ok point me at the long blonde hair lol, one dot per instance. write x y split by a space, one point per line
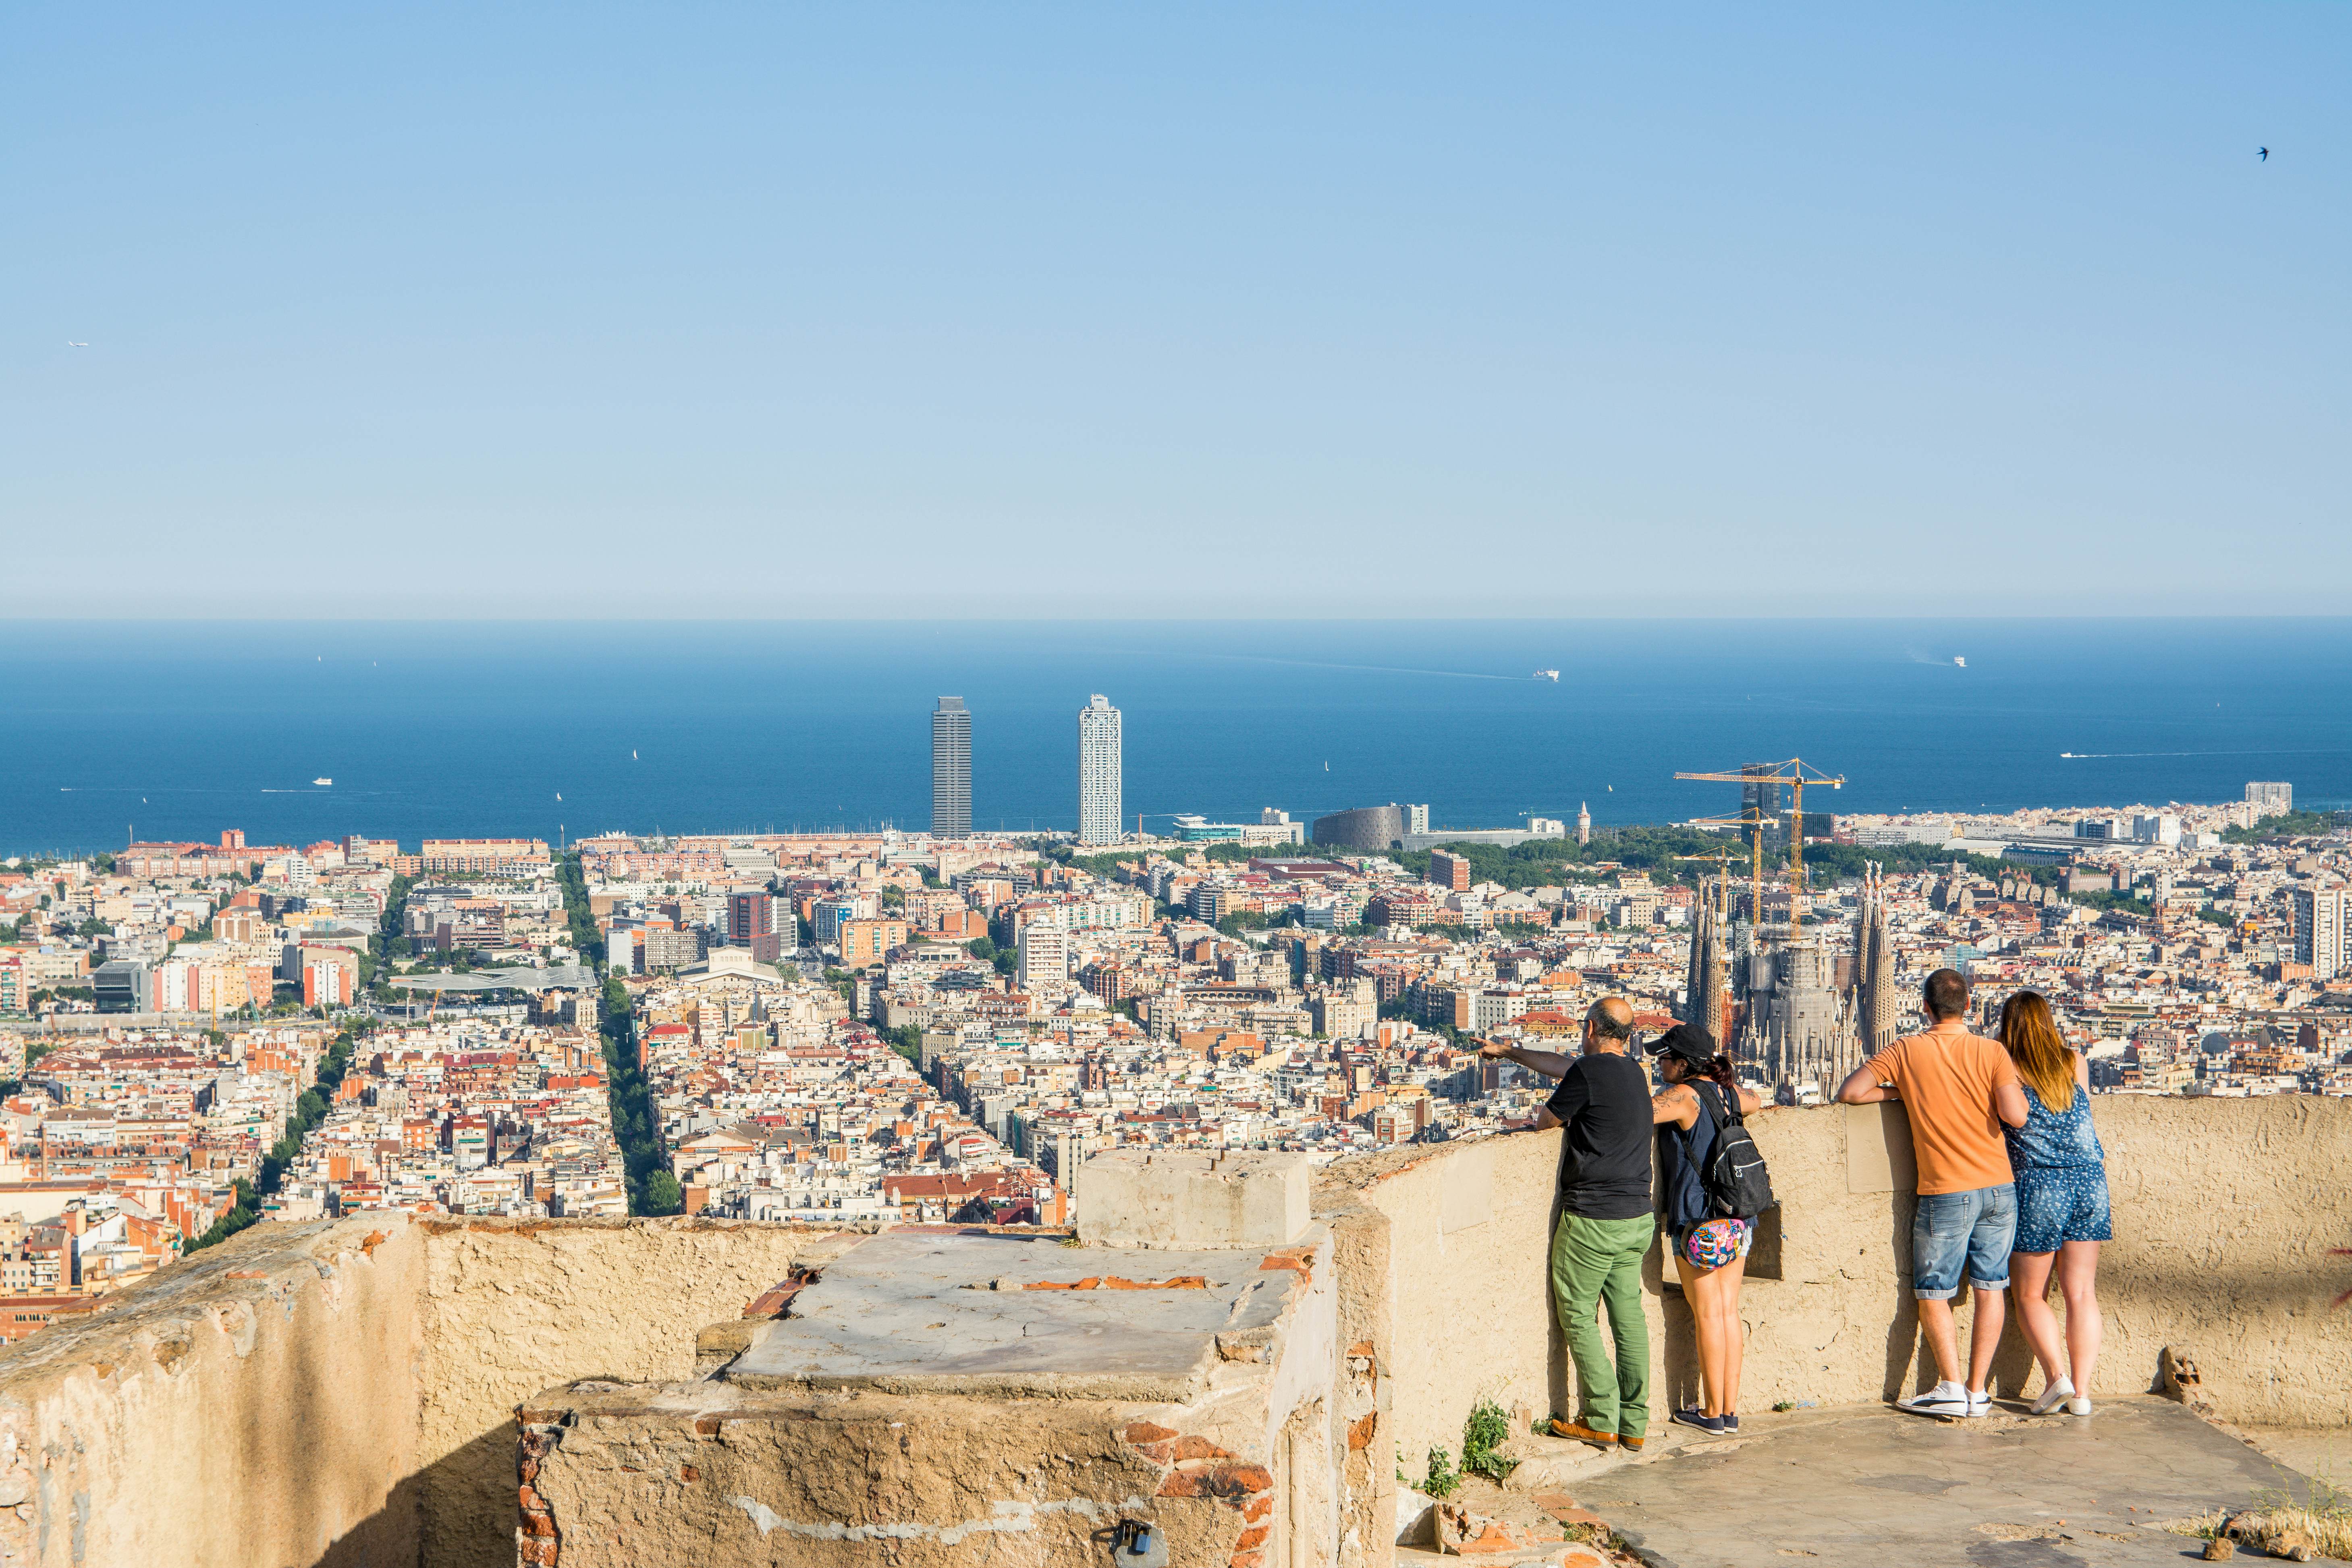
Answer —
2038 1050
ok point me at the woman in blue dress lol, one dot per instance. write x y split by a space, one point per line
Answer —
2062 1203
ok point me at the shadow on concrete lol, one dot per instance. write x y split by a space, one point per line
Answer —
457 1512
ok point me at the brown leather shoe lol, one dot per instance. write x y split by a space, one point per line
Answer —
1560 1428
1631 1444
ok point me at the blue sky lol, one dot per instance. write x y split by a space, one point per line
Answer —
889 310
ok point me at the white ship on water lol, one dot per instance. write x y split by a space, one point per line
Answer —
323 783
1546 675
1958 660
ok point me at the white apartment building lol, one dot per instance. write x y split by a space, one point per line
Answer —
2319 929
1045 953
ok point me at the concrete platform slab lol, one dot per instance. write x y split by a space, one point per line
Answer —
1866 1488
913 1311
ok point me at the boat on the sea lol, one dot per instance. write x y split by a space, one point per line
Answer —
322 782
1547 675
1958 660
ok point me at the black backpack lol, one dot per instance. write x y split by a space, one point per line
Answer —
1737 1185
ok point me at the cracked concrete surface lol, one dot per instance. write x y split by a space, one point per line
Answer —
1870 1486
919 1311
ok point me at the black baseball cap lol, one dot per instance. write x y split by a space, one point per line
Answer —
1687 1041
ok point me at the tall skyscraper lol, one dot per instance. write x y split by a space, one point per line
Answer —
2319 929
950 769
1099 772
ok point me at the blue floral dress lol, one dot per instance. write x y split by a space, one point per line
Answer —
2062 1175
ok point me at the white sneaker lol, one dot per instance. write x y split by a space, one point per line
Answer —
2055 1395
1944 1399
1981 1404
2078 1405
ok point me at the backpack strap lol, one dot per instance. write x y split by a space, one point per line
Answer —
1707 1110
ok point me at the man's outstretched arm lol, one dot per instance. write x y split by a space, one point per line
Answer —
1552 1064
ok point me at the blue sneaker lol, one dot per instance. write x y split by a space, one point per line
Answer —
1693 1416
1730 1419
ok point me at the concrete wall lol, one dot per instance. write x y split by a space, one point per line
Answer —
254 1406
2224 1211
509 1306
341 1392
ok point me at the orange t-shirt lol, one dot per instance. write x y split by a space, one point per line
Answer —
1946 1082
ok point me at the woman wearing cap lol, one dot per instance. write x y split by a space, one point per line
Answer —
1710 1252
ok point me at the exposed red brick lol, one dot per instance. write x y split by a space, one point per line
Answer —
1553 1499
1573 1514
1144 1432
1285 1261
1247 1559
706 1425
688 1473
538 1552
1231 1482
1359 1434
1258 1508
1362 1348
1158 1453
1113 1282
1254 1536
1199 1448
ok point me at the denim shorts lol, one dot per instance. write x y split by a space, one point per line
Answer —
1951 1229
2058 1204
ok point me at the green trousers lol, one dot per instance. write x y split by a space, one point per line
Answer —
1592 1261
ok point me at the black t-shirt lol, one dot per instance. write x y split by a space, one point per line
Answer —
1603 1101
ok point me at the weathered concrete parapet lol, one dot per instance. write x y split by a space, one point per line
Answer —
254 1404
1196 1200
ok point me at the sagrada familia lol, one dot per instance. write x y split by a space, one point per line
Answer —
1775 996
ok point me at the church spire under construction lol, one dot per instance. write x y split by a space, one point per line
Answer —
1875 1009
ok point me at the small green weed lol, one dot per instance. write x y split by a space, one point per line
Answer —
1489 1428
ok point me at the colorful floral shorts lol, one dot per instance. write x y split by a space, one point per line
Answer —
1712 1242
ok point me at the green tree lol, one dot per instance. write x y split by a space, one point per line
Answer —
662 1194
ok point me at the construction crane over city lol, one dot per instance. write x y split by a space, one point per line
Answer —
1793 1030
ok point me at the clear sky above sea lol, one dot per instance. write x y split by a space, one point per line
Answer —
893 309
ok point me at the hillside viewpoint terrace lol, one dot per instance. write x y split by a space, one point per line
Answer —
1239 1354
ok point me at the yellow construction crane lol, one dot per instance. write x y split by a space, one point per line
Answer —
1753 820
1792 774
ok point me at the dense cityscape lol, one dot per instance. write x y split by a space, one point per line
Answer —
941 1025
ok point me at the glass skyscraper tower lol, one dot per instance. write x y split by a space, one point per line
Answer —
950 769
1099 772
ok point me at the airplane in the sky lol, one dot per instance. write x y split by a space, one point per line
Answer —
71 344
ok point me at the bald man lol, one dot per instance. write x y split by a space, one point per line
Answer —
1606 1223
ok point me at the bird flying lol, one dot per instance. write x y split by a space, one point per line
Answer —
2264 152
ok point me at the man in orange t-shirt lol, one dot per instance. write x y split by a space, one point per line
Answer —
1957 1088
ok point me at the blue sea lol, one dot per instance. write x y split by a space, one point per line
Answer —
176 731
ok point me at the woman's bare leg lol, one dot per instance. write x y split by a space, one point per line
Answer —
2029 1282
2078 1271
1700 1289
1733 1333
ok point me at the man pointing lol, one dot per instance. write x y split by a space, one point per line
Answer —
1605 1222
